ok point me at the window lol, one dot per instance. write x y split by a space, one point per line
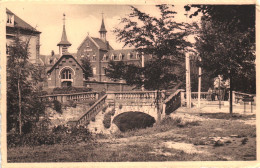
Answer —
130 55
104 57
66 74
94 71
121 56
10 20
112 57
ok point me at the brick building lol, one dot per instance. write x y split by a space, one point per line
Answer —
64 70
99 52
15 25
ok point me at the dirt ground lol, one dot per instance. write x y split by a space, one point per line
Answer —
215 137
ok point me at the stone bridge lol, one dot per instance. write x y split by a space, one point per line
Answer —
152 103
149 102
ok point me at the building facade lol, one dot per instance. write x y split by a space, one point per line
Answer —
64 70
14 26
99 52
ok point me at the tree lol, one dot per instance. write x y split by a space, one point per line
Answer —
23 105
87 67
226 44
162 37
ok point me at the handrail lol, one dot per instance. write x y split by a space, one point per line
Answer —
172 95
68 94
92 108
244 94
130 92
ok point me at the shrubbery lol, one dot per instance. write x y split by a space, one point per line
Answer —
107 118
67 90
57 106
59 134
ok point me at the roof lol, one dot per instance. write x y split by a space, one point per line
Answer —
46 58
102 45
19 23
98 42
102 28
64 56
64 40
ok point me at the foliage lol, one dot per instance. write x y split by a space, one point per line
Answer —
157 73
67 90
162 37
226 43
107 118
22 73
85 63
57 106
58 135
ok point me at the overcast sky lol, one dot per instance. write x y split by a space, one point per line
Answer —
80 19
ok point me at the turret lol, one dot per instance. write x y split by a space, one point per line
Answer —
103 30
64 44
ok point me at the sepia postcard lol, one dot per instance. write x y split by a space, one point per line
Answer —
129 84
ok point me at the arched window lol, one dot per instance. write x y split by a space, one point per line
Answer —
66 74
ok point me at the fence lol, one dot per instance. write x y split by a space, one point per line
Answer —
73 96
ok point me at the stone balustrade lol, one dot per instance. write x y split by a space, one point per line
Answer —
72 96
195 95
93 111
133 97
173 102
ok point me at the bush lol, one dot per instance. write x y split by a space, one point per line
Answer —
57 106
107 120
59 134
67 90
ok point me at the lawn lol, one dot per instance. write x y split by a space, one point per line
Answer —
193 137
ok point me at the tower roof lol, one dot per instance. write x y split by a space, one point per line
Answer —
102 28
64 40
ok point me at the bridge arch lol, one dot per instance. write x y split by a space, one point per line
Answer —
133 120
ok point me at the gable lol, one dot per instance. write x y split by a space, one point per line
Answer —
66 60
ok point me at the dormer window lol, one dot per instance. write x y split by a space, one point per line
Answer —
10 20
112 57
130 55
87 44
104 57
121 56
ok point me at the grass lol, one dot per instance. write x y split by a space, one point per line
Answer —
148 144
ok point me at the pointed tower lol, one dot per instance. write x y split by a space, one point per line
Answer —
103 30
64 44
